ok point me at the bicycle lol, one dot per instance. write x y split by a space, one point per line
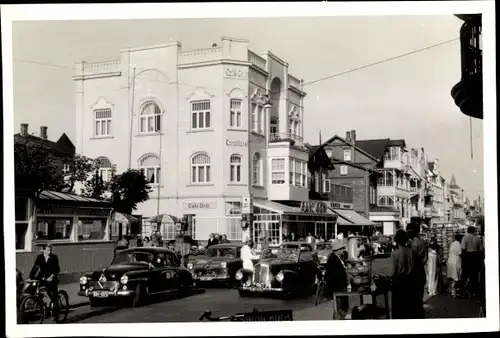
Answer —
321 287
33 303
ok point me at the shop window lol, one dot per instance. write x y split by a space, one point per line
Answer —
273 232
278 171
235 232
91 229
48 228
150 117
235 114
235 169
200 168
320 230
200 115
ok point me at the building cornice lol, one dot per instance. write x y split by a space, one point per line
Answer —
298 91
96 76
260 70
214 63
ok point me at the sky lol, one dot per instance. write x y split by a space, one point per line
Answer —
406 98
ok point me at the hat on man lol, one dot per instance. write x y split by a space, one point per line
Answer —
337 245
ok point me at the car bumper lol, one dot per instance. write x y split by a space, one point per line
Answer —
217 279
260 290
110 294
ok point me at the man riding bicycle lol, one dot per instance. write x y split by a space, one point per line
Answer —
46 269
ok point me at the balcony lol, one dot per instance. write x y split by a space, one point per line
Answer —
394 163
292 139
468 93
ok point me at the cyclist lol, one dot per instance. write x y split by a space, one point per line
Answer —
46 269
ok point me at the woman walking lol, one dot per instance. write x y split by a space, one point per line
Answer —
433 269
408 280
454 264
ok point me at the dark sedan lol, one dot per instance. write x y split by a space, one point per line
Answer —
283 271
136 274
219 264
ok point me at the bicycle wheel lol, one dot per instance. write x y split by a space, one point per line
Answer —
320 290
32 309
62 314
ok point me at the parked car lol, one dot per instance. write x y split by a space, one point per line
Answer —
323 250
382 245
136 274
282 271
219 264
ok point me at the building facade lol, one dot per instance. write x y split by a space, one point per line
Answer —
206 126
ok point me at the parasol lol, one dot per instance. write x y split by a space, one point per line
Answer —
164 219
119 217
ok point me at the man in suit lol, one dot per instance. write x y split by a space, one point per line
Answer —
46 269
336 276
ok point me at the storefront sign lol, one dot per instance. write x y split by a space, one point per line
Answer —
178 226
200 205
235 73
313 207
268 316
246 205
237 143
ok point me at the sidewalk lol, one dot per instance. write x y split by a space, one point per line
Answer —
440 306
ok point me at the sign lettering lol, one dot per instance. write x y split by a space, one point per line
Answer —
268 316
200 205
246 205
235 73
313 207
230 143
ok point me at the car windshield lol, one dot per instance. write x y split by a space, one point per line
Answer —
221 252
132 257
284 254
324 246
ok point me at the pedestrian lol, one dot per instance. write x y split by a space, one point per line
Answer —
310 238
408 280
418 245
472 251
340 236
336 277
185 251
292 237
147 242
212 240
139 242
454 264
247 255
224 239
433 264
349 234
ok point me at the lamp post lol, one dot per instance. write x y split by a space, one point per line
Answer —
267 106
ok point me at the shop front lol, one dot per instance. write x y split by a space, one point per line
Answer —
351 221
387 217
77 227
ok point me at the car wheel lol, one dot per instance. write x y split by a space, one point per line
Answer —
138 297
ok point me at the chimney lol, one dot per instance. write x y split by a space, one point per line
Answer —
353 137
24 129
348 136
43 132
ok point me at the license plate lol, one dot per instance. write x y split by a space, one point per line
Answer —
206 278
256 288
100 294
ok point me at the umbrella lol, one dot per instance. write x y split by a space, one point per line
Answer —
163 218
124 218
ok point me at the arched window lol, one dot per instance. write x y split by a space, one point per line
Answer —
105 168
150 117
150 167
102 122
200 168
257 170
235 169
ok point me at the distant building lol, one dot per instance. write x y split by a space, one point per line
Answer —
468 92
456 202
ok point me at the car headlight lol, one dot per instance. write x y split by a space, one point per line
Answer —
238 275
223 264
190 266
84 280
280 276
124 279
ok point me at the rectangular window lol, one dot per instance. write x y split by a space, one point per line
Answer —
298 173
260 119
278 171
200 115
291 166
343 170
235 114
304 174
347 154
48 228
102 118
326 185
91 229
255 125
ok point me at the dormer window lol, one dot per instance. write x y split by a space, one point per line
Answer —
347 154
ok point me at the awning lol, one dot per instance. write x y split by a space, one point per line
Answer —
119 217
164 219
276 207
62 196
350 217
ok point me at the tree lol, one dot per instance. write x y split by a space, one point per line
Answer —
129 189
36 168
81 169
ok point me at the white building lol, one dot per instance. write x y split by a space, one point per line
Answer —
195 122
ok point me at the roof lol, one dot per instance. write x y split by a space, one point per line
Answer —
276 207
351 217
396 143
350 144
375 148
62 196
453 183
318 158
430 165
64 146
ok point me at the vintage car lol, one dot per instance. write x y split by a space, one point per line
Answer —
382 245
282 271
323 250
136 274
303 246
219 264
